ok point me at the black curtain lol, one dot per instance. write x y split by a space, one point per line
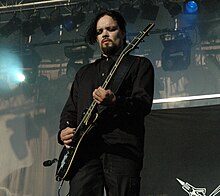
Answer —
181 143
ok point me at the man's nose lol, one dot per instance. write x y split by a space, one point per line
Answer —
105 33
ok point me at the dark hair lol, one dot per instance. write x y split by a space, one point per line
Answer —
91 33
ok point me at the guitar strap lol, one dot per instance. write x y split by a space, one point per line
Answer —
119 76
121 72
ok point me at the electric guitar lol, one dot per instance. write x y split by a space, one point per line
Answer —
67 157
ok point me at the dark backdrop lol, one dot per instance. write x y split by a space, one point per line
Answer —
182 143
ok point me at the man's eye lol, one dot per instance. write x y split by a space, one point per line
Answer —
112 29
99 31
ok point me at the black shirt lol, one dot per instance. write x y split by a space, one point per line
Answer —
120 128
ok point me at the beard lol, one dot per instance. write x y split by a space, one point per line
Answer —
109 50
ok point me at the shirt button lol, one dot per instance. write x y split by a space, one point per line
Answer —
103 74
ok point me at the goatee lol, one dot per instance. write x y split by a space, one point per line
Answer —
109 50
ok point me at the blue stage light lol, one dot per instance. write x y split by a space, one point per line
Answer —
73 21
68 23
191 7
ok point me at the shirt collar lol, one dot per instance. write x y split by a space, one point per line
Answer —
113 57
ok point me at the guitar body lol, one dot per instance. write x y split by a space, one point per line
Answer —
67 159
65 164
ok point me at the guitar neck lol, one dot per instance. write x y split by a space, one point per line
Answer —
111 73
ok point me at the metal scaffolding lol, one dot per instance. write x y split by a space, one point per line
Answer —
19 6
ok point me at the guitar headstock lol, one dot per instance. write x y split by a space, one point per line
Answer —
133 44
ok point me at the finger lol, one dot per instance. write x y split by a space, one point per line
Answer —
67 146
97 96
111 95
101 89
102 92
67 141
67 133
97 101
98 93
93 93
74 130
70 129
108 92
67 137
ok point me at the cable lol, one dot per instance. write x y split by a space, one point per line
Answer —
59 188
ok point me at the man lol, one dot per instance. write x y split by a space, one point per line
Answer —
111 154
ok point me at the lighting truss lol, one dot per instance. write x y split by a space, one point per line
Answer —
19 6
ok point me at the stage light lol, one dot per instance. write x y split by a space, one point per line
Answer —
177 51
79 52
29 26
191 7
129 12
20 77
48 25
173 8
68 23
71 22
30 60
13 25
149 11
10 66
56 18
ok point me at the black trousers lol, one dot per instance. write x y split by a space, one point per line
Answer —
119 176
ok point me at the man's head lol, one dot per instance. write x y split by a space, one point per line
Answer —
108 29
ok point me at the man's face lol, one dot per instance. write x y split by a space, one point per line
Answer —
109 35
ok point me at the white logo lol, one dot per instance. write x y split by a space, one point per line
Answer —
192 191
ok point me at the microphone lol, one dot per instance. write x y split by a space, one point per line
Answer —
49 162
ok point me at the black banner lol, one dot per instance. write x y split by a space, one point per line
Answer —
182 151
